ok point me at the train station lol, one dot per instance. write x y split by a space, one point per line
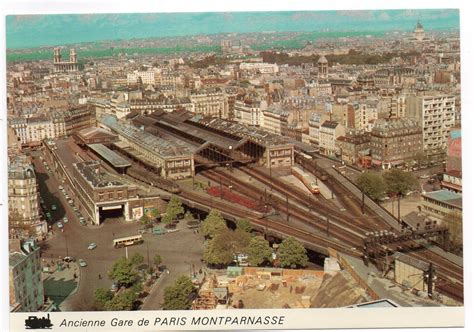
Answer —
220 142
99 194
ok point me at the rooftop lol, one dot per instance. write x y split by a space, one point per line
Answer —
446 196
16 258
109 155
419 264
158 145
90 170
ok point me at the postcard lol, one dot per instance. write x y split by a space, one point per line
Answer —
215 170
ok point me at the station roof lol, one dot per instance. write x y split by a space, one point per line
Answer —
116 160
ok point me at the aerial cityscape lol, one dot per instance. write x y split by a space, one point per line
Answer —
234 160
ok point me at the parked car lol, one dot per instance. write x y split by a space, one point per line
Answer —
61 187
69 259
82 221
82 263
92 246
54 207
60 225
65 220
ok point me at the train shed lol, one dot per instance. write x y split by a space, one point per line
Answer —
111 157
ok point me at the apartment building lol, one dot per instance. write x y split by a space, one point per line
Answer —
26 285
328 134
209 102
395 141
436 115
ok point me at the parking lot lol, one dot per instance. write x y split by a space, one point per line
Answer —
179 250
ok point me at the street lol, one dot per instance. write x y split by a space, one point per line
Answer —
179 251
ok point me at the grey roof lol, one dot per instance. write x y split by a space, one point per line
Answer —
330 124
422 265
91 172
16 258
109 155
446 196
149 141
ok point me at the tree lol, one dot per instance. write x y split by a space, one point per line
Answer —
145 219
292 254
154 213
399 182
167 219
123 272
372 184
179 296
225 246
174 208
244 225
258 251
157 260
137 259
122 301
102 296
213 224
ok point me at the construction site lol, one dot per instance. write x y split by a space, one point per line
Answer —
342 283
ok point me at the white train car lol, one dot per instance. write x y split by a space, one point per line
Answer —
311 184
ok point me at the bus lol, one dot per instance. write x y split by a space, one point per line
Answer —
128 241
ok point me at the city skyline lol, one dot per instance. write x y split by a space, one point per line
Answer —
30 31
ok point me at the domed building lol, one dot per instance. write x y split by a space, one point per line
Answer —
323 65
419 33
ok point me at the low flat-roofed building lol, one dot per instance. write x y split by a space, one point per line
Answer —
99 191
95 135
420 221
442 203
452 180
411 272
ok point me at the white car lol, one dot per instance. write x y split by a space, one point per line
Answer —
60 225
92 246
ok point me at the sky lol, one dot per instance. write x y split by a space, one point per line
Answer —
27 31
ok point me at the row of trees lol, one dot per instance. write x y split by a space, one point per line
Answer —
126 274
225 244
393 182
174 209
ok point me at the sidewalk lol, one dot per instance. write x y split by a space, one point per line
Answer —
60 283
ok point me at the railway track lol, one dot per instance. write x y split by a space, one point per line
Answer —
447 270
279 227
297 196
317 221
347 199
450 275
